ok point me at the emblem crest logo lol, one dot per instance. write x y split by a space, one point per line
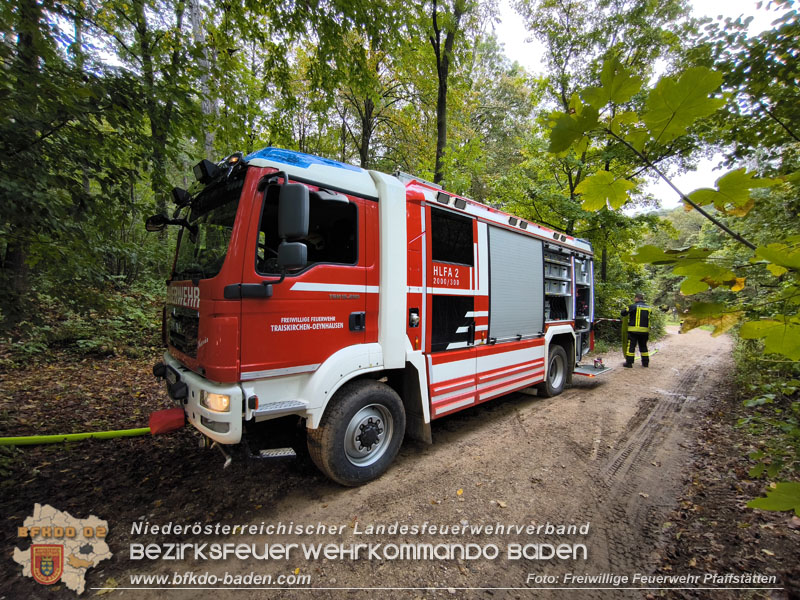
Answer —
47 562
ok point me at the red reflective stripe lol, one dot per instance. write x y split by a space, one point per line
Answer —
452 385
510 386
506 371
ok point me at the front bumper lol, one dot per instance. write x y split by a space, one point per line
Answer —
223 427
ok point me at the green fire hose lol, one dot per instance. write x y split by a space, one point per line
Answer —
31 440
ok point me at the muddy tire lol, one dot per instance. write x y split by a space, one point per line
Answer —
556 373
360 433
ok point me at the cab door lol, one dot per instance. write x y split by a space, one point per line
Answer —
317 310
451 296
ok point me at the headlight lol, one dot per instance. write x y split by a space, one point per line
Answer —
216 402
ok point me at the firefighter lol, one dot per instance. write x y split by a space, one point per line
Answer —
638 315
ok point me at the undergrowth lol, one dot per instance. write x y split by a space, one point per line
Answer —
119 323
770 393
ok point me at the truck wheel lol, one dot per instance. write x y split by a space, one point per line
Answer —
556 373
360 433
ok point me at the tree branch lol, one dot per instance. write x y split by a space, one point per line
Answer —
683 196
779 122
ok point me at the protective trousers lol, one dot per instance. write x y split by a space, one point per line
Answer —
637 338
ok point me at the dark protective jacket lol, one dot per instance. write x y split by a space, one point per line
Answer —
638 317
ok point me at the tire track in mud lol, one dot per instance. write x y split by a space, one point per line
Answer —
653 416
629 517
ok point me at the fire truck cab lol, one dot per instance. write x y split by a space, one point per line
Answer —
362 304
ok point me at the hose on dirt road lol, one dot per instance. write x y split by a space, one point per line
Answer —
161 421
32 440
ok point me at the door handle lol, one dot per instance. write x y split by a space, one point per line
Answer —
471 333
358 321
234 291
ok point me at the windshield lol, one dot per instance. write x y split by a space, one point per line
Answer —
200 255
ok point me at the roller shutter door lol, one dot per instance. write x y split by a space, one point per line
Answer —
516 302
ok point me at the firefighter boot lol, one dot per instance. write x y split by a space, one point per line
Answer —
630 352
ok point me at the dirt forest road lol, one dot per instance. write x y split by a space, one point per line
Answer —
611 452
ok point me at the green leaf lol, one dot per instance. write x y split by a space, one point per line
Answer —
774 468
638 138
693 286
706 309
623 118
785 496
780 337
733 189
603 188
780 254
570 128
759 401
653 255
656 256
704 270
620 82
617 85
753 330
595 96
776 270
674 105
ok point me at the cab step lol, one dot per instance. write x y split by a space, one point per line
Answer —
276 453
276 409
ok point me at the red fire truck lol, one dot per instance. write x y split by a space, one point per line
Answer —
360 304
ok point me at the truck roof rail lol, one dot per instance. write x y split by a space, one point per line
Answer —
406 178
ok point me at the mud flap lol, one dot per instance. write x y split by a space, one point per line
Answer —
416 427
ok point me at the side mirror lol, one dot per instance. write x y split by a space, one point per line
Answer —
156 223
292 255
181 197
293 211
205 171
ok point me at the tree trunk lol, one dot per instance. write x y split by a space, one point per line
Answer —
159 114
158 173
207 105
366 132
604 265
441 125
344 138
15 267
443 58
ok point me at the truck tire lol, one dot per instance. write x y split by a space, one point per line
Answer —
556 373
360 433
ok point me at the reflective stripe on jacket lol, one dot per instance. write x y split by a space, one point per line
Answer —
638 317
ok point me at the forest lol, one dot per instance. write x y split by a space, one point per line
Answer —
105 106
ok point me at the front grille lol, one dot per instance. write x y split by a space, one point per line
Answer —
182 329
